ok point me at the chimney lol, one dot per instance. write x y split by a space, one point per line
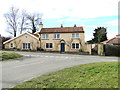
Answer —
40 26
75 25
61 26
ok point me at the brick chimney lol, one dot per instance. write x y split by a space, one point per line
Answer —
40 26
61 26
75 25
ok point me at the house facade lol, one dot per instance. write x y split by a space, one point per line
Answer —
63 39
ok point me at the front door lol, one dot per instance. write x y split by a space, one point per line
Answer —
62 47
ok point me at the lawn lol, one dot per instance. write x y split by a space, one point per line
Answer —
8 55
93 75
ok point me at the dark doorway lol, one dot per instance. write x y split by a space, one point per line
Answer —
62 47
95 49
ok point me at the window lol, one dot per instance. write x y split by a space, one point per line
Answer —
26 36
11 45
48 45
75 45
45 36
75 35
56 36
26 45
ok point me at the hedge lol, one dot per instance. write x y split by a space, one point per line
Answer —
111 50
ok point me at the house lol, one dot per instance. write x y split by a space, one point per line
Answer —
64 39
113 41
26 41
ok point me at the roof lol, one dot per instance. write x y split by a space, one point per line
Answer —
33 35
113 40
62 30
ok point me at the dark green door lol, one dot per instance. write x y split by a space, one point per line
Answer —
62 47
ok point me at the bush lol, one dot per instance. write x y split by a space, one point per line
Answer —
40 49
9 55
80 50
112 50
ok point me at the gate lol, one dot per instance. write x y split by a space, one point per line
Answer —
94 50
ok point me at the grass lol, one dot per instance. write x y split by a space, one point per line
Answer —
8 55
93 75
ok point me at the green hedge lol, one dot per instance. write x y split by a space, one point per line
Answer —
112 50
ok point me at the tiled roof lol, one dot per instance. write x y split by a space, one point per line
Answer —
62 30
113 40
34 35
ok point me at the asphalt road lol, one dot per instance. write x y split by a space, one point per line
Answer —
34 64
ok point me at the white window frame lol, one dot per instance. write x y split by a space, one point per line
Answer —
48 46
11 45
75 34
45 36
56 36
26 46
75 46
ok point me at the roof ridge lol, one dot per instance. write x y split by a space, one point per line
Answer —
66 27
108 40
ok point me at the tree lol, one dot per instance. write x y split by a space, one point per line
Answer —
100 35
16 20
34 20
12 20
3 39
23 21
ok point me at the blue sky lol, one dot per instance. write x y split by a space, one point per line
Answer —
87 13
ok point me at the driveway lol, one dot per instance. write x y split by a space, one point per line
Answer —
34 64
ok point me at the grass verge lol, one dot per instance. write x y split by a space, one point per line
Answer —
8 55
93 75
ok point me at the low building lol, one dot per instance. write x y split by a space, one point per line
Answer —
113 41
26 41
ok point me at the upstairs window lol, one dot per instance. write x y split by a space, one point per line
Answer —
45 36
56 36
75 35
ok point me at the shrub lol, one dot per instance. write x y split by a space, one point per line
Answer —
40 49
112 50
80 50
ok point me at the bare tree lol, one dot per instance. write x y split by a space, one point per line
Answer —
12 20
23 21
34 20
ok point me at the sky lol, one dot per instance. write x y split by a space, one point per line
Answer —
87 13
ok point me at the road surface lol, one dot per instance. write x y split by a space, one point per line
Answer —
34 64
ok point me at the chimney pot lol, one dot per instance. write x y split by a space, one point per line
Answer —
61 25
41 23
75 25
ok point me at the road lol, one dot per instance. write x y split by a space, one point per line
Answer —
34 64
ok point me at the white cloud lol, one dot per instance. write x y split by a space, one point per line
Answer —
113 23
72 8
62 8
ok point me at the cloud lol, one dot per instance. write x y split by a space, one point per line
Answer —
57 9
113 23
72 8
